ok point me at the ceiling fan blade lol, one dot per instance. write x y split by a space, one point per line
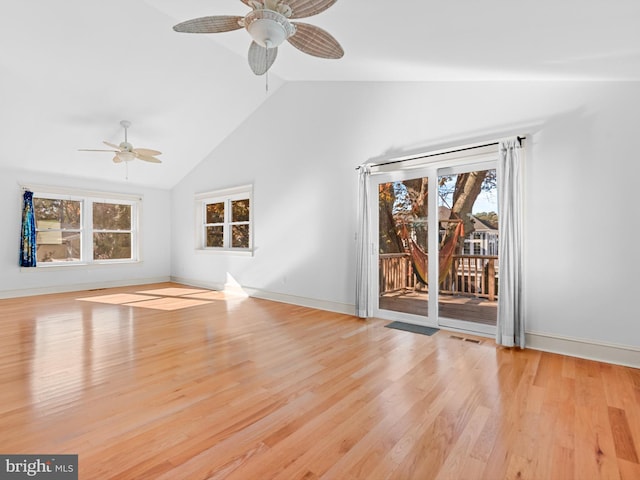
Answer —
93 150
215 24
146 151
307 8
117 147
261 58
117 159
315 41
147 158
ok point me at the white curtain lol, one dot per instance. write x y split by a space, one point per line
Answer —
510 327
363 303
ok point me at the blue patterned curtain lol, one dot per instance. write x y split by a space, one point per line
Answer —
28 236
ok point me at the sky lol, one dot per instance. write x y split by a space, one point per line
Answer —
486 201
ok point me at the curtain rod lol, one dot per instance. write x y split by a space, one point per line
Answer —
429 155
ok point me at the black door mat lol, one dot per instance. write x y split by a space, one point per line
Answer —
408 327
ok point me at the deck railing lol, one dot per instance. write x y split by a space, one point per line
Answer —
470 275
396 272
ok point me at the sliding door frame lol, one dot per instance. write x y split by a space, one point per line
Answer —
455 323
388 177
480 158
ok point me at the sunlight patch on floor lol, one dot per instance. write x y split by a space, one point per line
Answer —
169 303
173 291
171 298
118 298
212 295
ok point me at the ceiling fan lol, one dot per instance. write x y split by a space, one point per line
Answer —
269 25
125 151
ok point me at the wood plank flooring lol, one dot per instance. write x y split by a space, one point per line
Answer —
170 382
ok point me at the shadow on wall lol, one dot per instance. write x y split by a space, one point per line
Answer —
480 137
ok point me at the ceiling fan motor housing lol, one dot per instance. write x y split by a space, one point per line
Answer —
268 28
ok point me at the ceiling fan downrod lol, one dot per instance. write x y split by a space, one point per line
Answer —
125 124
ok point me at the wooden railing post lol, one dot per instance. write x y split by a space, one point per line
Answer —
395 272
491 279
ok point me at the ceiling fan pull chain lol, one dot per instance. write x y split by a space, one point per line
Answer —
266 62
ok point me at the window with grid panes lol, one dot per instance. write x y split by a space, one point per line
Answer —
225 219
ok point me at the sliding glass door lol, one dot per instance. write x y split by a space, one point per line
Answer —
402 234
440 268
468 248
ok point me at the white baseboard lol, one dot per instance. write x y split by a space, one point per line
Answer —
274 296
626 355
198 283
77 287
302 301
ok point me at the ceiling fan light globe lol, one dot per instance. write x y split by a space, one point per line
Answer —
268 28
267 33
126 156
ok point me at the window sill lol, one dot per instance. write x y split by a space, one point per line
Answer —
225 251
65 265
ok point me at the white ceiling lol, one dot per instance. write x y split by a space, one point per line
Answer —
70 71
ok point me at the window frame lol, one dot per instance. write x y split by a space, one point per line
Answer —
62 231
87 199
133 230
225 196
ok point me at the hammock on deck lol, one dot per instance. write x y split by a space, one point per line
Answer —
419 257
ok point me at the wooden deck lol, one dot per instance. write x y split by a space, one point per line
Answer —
477 310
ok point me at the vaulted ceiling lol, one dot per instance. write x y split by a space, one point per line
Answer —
70 71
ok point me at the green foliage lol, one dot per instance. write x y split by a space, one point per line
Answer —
215 212
490 182
240 210
111 216
111 246
389 239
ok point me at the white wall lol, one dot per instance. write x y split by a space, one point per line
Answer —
300 150
155 240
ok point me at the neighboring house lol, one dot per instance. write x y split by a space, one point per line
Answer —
482 241
52 245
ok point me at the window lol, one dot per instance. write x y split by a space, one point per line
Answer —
112 231
77 228
224 220
58 229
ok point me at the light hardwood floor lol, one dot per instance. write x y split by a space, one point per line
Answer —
169 382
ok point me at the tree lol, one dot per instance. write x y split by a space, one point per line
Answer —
406 205
65 212
462 197
117 242
467 188
389 238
